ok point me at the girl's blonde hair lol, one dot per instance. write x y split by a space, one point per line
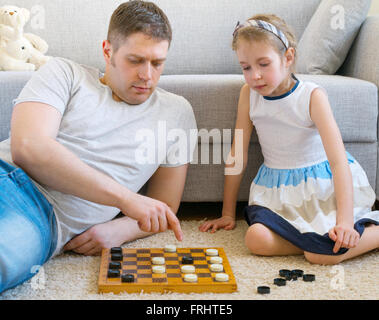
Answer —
251 33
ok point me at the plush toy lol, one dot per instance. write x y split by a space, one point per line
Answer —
18 50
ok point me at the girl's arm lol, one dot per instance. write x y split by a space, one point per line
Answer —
238 154
320 111
235 165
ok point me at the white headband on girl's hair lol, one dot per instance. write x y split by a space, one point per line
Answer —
263 25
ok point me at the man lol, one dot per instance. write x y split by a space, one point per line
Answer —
76 134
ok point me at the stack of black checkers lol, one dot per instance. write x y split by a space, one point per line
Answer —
287 275
115 266
116 254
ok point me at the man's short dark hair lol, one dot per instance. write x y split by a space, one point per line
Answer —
138 16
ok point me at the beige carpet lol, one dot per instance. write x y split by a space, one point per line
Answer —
71 276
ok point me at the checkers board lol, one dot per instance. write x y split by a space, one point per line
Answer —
137 261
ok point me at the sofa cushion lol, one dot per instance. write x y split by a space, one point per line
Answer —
329 35
202 30
214 99
11 83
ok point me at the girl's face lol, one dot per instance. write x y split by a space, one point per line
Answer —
265 71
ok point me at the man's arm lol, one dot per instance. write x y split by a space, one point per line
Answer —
34 148
167 185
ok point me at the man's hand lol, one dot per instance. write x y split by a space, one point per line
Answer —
345 236
225 222
152 215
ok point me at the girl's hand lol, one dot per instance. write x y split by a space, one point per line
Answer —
225 222
345 236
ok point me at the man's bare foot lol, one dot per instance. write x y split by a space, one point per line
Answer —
106 235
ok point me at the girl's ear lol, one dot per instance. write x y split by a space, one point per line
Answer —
289 57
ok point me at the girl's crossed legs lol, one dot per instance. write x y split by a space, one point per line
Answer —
260 240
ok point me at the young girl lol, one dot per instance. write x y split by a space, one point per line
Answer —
309 196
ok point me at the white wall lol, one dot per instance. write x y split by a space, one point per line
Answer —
374 9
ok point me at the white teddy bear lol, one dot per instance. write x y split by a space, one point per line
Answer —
19 51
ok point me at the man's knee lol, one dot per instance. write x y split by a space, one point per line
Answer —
20 250
258 239
322 259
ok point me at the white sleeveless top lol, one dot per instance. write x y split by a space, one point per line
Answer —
287 135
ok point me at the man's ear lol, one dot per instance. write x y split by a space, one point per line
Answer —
107 50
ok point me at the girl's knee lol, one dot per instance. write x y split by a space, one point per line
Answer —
322 258
258 239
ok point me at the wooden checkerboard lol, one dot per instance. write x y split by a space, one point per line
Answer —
138 262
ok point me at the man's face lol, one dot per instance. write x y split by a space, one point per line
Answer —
133 71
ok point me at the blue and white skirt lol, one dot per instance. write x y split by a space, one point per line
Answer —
300 205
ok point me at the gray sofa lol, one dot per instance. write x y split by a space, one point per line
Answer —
203 68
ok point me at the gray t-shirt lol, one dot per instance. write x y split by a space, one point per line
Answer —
126 142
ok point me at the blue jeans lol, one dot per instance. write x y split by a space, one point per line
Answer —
28 231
